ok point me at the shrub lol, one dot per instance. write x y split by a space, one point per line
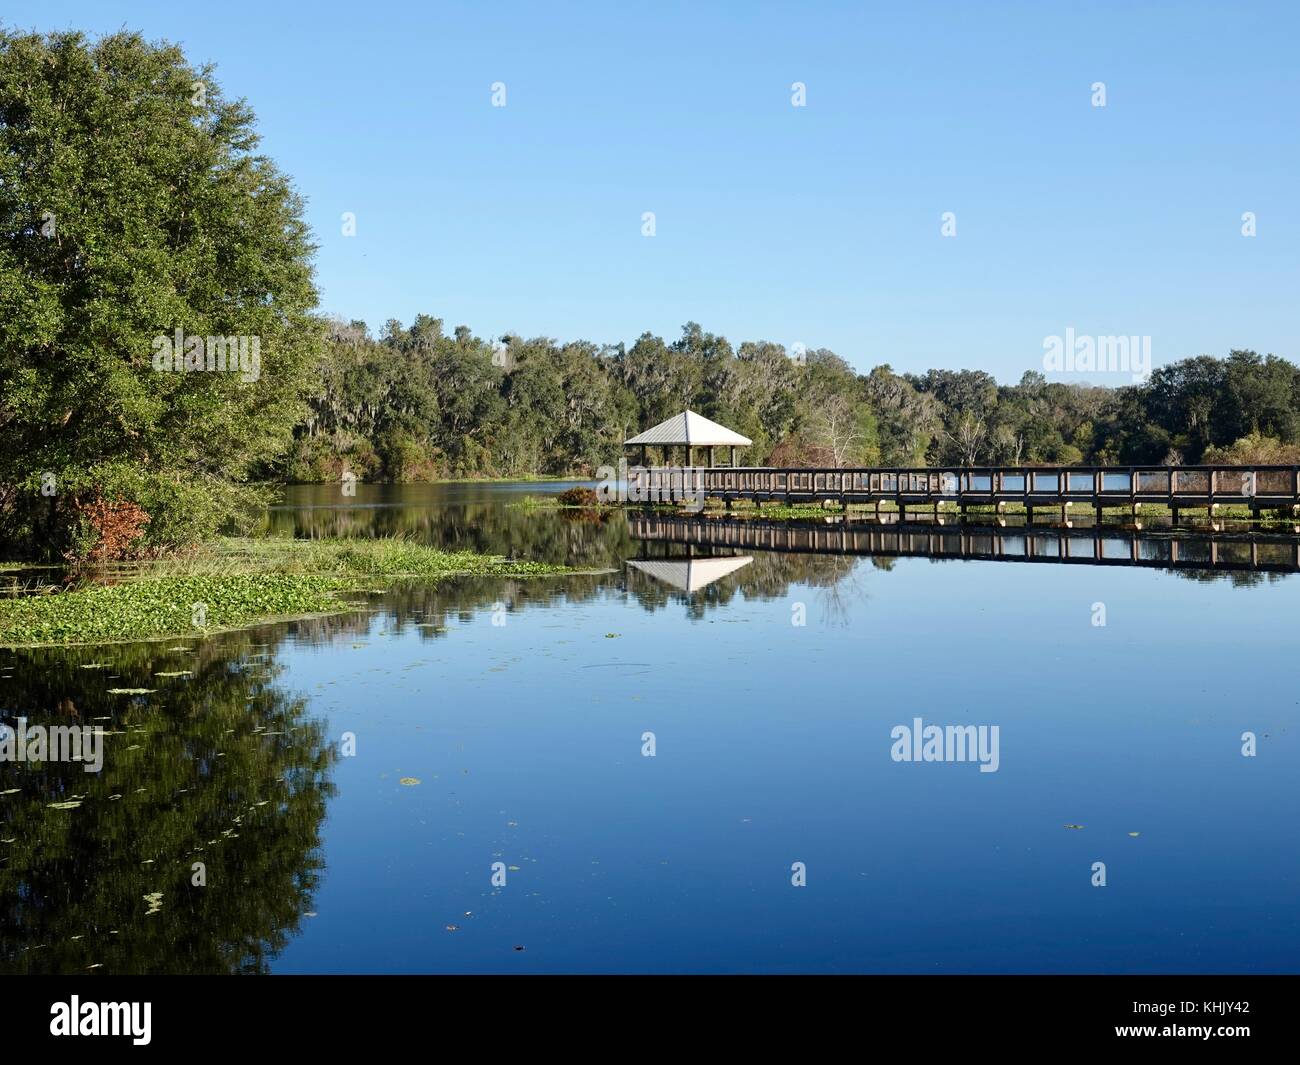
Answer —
579 497
104 530
1254 450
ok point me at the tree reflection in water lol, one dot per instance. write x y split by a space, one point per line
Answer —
219 767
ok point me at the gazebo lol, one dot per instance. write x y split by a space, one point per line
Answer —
690 574
688 430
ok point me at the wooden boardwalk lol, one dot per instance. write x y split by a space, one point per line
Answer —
1095 546
1061 487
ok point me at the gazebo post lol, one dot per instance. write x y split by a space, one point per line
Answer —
690 432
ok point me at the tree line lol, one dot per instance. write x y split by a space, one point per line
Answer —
418 403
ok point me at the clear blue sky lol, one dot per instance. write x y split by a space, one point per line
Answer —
818 225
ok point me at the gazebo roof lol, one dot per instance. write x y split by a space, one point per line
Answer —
690 574
691 429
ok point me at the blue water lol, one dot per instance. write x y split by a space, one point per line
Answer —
772 747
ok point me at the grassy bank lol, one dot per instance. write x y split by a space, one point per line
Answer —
234 583
553 503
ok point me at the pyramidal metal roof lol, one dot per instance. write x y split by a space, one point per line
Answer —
690 575
693 429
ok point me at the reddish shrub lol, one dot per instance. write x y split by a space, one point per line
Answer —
579 497
105 529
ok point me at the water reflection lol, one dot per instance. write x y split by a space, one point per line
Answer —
1199 554
525 739
218 766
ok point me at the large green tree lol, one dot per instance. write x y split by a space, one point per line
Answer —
133 203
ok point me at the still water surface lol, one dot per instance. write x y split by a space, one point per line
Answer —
772 747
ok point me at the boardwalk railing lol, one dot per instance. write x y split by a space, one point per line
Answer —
1096 547
1097 486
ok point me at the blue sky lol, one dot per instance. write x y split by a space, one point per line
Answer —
818 225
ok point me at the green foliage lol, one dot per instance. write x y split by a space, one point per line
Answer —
133 204
1255 449
239 582
418 405
160 606
389 557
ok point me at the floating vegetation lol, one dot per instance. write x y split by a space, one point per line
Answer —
241 582
131 691
409 781
154 899
175 673
1074 826
71 804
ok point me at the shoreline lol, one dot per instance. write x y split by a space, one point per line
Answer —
238 584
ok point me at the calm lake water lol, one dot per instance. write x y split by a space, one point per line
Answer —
520 709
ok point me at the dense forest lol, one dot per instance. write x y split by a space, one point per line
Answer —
418 403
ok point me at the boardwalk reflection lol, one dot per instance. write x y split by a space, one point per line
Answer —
1192 550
